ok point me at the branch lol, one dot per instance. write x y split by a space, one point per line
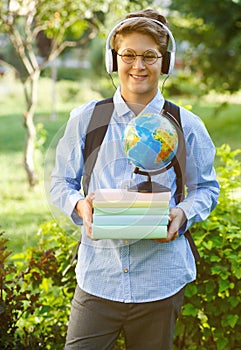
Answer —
26 94
37 30
30 39
60 36
59 49
18 44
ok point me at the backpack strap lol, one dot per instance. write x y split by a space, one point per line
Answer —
94 137
173 110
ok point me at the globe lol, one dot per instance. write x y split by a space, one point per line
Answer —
150 141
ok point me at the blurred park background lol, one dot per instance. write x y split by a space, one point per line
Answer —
51 60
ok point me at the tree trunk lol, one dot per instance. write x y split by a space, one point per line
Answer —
54 89
29 151
29 163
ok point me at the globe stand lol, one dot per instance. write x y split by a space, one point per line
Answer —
148 186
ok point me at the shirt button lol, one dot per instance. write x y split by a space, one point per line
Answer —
125 270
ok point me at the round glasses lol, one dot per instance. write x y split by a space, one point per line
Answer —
149 56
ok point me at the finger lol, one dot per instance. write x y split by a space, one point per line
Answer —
170 237
173 226
160 240
88 228
90 197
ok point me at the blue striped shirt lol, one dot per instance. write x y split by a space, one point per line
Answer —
129 270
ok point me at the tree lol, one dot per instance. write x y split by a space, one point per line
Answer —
213 29
63 24
24 21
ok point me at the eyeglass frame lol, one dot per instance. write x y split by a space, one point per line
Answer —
136 55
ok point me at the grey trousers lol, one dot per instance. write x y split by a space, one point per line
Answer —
95 323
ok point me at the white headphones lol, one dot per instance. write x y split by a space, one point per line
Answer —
111 56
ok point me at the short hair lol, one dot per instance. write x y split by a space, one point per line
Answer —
140 25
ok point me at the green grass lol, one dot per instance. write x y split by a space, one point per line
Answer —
223 125
22 210
222 119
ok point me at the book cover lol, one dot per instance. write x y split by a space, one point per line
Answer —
123 195
129 232
131 204
127 220
131 211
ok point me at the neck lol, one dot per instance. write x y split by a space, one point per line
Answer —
135 107
137 102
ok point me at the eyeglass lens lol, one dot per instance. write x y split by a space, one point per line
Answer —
129 56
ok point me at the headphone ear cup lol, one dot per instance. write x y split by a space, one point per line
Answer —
111 61
108 61
166 62
114 60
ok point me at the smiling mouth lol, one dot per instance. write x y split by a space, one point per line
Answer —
138 77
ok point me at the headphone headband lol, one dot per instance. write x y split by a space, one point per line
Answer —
111 65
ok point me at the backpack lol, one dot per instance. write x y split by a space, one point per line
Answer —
96 132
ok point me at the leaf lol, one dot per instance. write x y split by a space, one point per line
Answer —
223 285
190 310
215 258
210 287
191 290
46 284
229 320
222 343
44 309
234 301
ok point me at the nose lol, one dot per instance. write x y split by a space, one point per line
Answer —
138 63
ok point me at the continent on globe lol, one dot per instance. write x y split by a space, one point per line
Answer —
150 141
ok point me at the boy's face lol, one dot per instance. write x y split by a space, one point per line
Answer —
139 80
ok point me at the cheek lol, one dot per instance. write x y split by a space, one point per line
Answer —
121 66
118 63
158 70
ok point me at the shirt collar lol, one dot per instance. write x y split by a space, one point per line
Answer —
122 109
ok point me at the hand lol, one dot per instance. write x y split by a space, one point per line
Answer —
84 209
177 218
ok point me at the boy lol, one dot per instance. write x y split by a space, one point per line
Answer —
134 286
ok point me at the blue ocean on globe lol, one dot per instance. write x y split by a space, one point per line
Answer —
150 141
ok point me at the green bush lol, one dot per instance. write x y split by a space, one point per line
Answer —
36 290
184 84
36 287
211 313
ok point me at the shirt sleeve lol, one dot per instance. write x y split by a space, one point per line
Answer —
65 188
201 184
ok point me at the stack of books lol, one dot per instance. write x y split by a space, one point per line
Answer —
122 214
